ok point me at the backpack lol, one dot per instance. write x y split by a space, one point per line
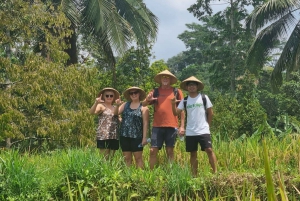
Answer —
203 99
175 91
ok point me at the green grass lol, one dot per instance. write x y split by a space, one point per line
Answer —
247 170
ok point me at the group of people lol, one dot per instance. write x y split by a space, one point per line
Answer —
133 117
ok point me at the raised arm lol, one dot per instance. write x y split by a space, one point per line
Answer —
175 110
97 107
149 99
119 107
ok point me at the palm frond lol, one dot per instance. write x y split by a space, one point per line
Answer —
71 10
102 19
288 60
265 42
119 32
269 12
143 22
120 22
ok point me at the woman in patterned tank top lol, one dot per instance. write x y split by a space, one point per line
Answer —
106 134
134 125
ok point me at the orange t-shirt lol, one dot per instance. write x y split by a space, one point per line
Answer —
163 115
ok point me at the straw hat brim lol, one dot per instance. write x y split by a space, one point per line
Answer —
116 93
173 79
183 85
142 93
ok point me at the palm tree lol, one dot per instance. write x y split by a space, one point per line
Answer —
116 22
278 19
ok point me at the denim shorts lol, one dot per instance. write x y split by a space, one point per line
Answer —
161 135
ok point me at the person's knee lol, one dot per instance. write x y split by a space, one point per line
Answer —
193 154
209 151
153 152
138 157
170 150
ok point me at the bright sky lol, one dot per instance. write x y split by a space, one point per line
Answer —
173 16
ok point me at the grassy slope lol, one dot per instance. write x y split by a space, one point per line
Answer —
82 174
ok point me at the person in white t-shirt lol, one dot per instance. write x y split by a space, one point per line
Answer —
198 122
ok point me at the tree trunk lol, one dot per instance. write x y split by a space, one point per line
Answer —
8 55
8 143
72 51
232 82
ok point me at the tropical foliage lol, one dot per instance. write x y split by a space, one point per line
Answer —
44 102
273 21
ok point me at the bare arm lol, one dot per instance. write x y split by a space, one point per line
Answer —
97 107
119 107
145 114
149 99
175 110
182 119
210 114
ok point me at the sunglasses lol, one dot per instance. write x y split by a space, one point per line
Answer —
133 92
164 76
109 96
192 84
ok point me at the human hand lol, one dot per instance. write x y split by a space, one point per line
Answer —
181 131
144 141
173 100
119 102
150 97
99 99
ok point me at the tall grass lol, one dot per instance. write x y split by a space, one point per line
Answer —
248 170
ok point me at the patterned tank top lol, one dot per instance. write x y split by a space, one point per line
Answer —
107 125
132 122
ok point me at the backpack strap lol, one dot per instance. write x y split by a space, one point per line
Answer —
155 95
185 102
175 91
176 94
204 103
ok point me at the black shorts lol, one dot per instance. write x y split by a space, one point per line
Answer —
112 144
161 135
130 144
191 142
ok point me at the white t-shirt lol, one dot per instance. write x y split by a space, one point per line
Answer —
196 118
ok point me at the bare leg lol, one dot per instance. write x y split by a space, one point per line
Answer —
153 157
194 163
212 159
170 153
128 158
138 156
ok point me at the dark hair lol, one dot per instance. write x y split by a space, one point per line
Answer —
190 82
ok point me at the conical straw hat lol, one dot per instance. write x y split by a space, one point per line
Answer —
183 84
116 93
173 79
141 92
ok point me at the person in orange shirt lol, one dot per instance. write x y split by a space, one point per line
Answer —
165 124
